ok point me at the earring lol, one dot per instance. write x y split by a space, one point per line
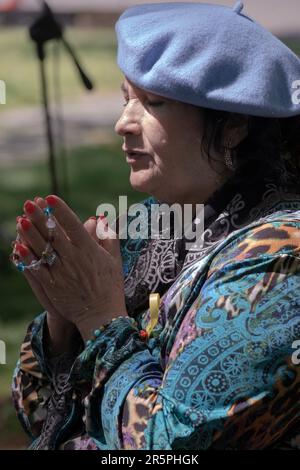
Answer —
228 157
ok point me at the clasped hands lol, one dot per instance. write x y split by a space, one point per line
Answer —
85 284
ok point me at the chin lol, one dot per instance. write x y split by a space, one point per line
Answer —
141 182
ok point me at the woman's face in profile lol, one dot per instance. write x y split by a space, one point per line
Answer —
162 144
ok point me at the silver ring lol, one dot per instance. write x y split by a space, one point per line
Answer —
49 257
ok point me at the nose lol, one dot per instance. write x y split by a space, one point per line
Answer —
129 122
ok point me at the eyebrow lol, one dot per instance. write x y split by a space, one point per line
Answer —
123 87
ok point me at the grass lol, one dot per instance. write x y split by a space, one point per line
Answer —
96 49
11 434
293 44
12 334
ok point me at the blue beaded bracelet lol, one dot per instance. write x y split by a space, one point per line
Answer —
97 332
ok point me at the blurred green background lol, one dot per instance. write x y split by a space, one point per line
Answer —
97 173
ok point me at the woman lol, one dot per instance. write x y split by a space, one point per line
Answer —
208 118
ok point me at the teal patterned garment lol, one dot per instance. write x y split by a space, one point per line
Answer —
219 368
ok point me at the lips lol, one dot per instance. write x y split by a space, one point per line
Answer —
135 154
132 155
135 158
132 151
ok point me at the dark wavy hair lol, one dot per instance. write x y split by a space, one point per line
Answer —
271 147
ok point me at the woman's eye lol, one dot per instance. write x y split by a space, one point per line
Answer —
154 103
147 102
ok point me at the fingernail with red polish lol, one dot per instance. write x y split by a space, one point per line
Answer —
22 250
25 224
29 207
51 200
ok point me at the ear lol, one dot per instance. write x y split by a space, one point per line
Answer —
235 129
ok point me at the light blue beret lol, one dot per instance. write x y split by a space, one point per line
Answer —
208 55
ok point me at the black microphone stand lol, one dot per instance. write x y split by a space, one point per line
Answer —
46 28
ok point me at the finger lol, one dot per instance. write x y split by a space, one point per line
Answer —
109 239
39 290
90 226
26 257
43 204
35 213
68 220
39 248
32 237
40 202
36 216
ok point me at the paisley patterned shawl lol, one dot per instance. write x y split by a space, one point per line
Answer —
153 265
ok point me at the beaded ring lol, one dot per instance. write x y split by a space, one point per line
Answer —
49 255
